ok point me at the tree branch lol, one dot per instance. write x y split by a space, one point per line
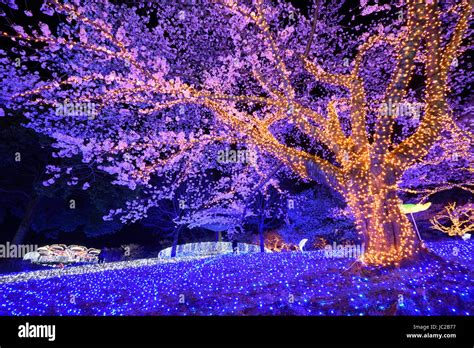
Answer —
313 29
436 116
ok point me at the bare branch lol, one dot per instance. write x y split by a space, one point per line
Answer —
313 28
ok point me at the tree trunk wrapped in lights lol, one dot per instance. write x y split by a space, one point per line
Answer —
364 166
370 171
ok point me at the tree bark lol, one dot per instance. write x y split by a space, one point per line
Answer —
261 236
388 234
175 242
25 223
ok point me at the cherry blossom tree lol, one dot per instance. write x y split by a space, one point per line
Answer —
151 93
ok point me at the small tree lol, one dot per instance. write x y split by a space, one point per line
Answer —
269 209
456 221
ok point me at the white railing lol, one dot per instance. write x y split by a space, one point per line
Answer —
209 249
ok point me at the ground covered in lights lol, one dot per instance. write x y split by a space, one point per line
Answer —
251 284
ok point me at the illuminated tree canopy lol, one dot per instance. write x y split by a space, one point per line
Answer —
152 93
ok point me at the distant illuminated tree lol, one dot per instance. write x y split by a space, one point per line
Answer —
250 88
270 208
456 221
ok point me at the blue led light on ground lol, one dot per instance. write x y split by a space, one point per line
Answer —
250 284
